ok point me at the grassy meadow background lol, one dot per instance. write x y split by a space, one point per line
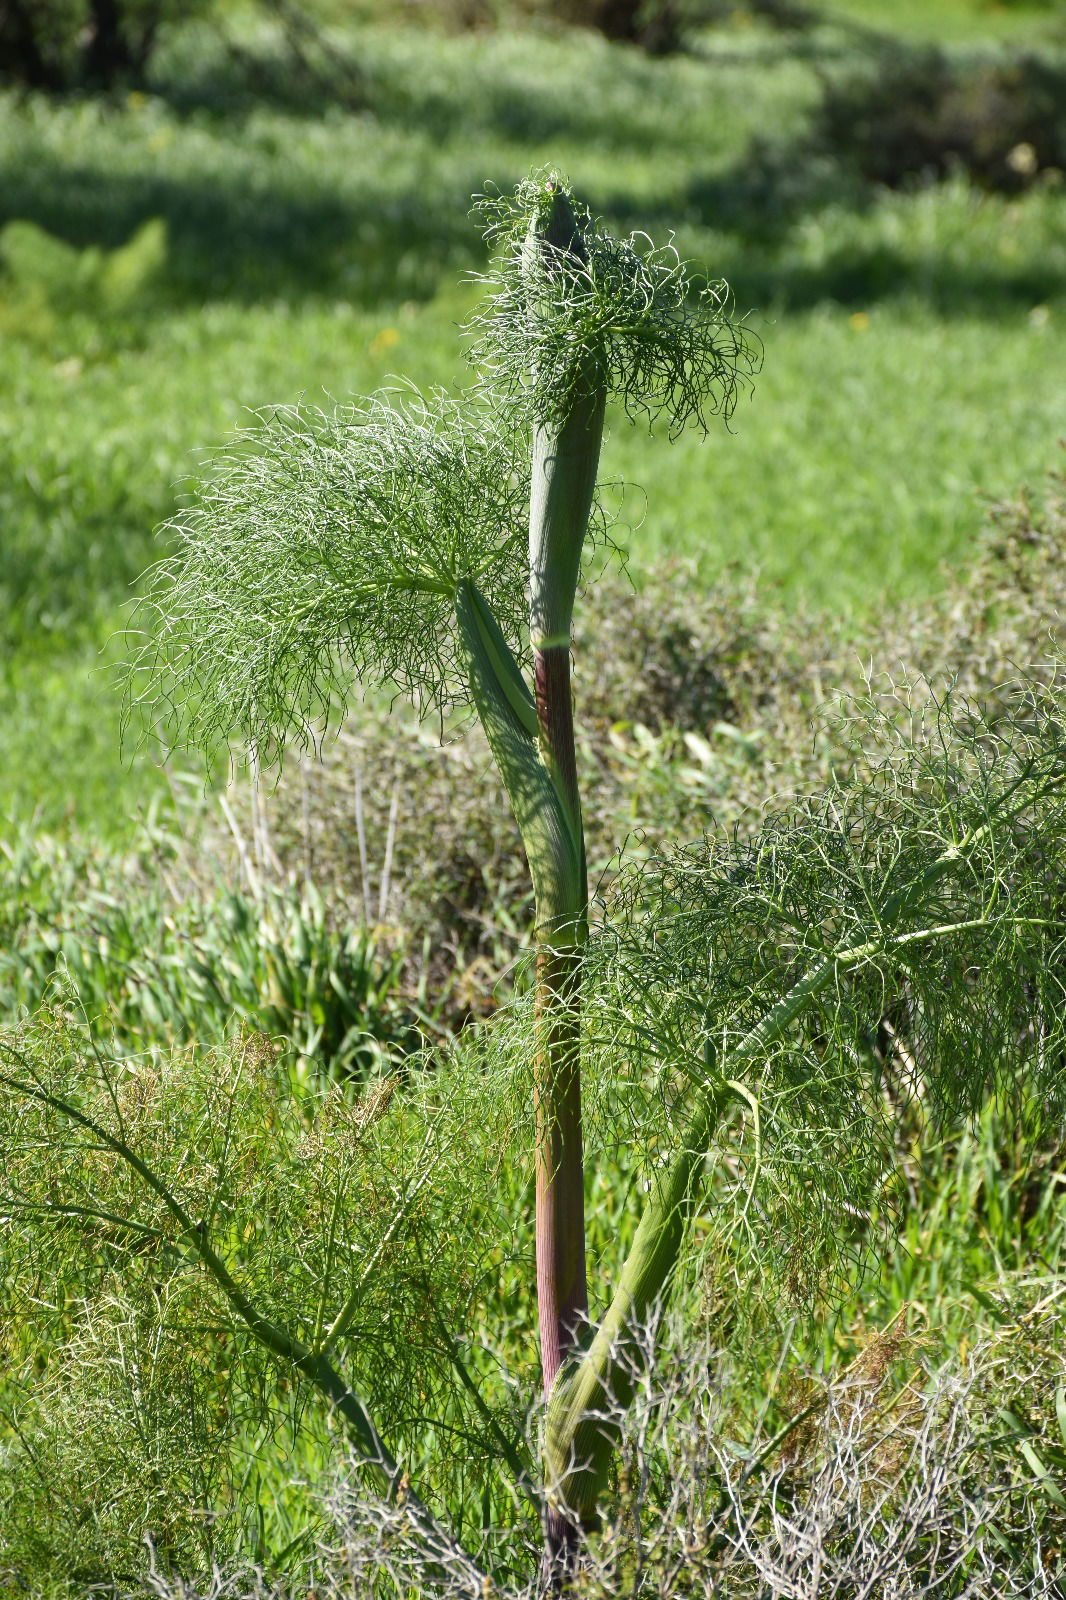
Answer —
914 341
235 235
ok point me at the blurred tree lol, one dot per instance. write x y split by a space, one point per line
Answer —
62 44
659 26
655 25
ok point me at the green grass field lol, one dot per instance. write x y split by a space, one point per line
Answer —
914 343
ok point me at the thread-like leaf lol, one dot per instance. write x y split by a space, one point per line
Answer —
934 894
621 315
325 551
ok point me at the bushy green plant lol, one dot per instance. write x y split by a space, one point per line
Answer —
412 1190
577 317
727 1007
729 702
106 280
139 1398
910 114
152 966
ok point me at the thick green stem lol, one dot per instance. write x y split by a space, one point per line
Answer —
565 460
551 834
562 1294
566 454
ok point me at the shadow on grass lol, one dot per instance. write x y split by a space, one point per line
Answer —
246 239
862 277
273 211
757 251
253 242
611 101
276 207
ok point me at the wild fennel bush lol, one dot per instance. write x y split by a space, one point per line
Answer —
697 710
727 1009
136 1335
913 114
889 1475
360 1217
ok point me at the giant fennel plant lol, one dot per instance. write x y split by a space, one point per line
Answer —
728 987
384 544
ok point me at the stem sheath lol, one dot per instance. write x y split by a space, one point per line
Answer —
565 460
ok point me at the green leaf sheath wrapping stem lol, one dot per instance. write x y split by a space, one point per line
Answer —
566 439
565 460
581 1428
507 713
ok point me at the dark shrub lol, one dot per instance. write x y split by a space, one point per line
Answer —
61 44
917 114
655 25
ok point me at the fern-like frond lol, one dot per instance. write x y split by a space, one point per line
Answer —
899 945
325 552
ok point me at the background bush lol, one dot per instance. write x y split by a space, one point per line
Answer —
58 44
916 115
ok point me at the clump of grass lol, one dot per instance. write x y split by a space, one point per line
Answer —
182 955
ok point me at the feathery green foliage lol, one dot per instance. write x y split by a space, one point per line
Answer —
933 895
384 1221
285 1232
929 901
621 315
327 547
